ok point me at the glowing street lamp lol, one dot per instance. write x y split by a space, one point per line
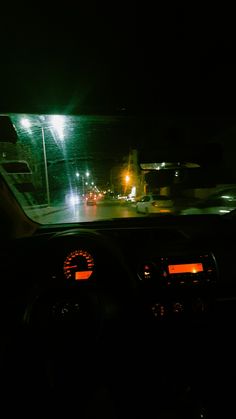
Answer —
57 122
83 176
25 123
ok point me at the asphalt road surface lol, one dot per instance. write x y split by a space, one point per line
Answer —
82 213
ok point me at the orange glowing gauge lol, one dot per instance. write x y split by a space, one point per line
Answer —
79 265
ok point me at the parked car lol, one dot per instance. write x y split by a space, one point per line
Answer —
154 204
221 202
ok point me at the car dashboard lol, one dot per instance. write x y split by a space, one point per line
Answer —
166 254
158 293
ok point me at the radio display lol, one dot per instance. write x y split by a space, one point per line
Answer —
192 268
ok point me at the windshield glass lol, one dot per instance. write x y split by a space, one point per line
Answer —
76 168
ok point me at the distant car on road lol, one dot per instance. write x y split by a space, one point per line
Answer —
91 200
153 203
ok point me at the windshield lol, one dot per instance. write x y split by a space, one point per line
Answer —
114 104
76 168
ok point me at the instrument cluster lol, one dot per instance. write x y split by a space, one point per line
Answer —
78 265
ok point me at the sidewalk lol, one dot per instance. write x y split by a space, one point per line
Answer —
42 210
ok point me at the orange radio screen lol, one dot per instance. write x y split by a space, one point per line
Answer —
192 268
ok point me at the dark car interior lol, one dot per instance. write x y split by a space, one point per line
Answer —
146 327
150 332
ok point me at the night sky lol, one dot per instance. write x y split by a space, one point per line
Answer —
169 60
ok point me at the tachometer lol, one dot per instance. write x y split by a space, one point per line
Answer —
79 265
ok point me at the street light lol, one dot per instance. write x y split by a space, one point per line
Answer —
126 181
25 122
82 176
45 166
57 122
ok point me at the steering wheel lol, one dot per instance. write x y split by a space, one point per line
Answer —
76 326
84 311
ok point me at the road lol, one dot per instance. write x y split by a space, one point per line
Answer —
82 213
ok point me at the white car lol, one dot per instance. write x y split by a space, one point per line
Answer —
154 203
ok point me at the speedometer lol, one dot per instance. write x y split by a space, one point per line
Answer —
79 265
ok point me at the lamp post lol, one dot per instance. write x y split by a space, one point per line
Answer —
45 166
55 123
